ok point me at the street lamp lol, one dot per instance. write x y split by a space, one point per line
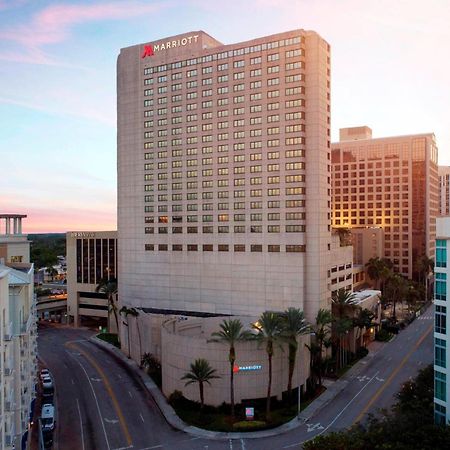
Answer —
298 388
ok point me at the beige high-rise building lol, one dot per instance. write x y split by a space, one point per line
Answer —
444 190
18 345
224 174
390 183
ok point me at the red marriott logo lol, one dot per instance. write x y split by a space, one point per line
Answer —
148 51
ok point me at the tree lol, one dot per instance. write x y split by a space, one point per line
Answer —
201 372
424 267
396 288
135 313
127 312
231 332
379 269
363 321
109 288
322 333
268 329
342 327
343 302
294 325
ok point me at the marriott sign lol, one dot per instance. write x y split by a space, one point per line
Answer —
149 50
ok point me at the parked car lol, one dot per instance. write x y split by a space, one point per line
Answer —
48 417
44 373
47 382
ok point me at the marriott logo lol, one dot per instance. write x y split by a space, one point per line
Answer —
149 50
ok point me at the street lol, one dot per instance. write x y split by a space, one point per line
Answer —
101 405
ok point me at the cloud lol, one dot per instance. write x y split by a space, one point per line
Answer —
54 25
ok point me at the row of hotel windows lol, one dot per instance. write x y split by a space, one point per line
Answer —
225 248
221 125
224 206
237 194
226 90
274 167
370 221
224 217
237 181
297 153
223 102
226 228
256 120
230 54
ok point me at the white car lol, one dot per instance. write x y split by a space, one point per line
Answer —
48 417
44 373
47 382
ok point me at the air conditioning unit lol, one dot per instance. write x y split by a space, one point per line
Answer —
8 371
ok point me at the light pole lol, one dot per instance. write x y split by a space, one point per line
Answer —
298 382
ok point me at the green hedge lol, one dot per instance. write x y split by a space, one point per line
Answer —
249 425
111 338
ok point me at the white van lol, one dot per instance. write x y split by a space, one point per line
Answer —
48 417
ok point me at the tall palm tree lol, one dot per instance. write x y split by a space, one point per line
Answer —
135 313
109 288
343 301
396 288
231 332
379 269
425 266
293 325
363 320
342 326
201 372
322 332
268 329
127 312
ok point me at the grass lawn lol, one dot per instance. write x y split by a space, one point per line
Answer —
111 338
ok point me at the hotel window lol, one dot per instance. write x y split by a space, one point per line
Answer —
256 217
273 118
255 120
177 76
256 144
222 183
255 156
148 92
273 106
273 216
192 247
256 193
239 229
273 228
273 192
255 72
294 178
295 216
440 352
149 247
273 69
222 247
256 248
162 247
222 90
222 113
254 109
273 180
149 230
273 204
293 65
148 81
177 109
273 155
223 66
441 253
206 81
222 79
295 248
207 247
148 103
238 194
255 205
294 103
255 84
294 90
440 286
273 143
240 63
295 191
273 81
294 116
273 248
254 169
295 228
440 385
256 60
191 73
440 317
191 106
254 97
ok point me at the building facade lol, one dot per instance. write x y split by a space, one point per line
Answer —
18 345
444 190
442 323
91 258
390 183
224 174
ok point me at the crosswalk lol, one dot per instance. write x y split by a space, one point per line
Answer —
427 317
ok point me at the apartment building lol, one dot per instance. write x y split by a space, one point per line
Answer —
18 346
442 323
91 258
444 190
390 183
224 174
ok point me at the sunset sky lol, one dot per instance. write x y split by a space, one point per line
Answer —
390 71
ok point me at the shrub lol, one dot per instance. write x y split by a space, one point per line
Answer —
175 397
361 352
111 338
383 335
249 425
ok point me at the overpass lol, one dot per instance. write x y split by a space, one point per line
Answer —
52 307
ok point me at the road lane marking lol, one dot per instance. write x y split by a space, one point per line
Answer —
95 398
242 444
111 395
142 417
73 382
313 426
231 444
81 424
337 417
113 421
129 393
393 374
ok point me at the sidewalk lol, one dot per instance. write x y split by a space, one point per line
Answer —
333 389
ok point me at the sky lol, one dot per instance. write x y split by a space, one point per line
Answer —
390 70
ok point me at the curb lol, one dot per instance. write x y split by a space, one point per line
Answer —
174 421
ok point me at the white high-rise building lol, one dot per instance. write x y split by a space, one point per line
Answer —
442 322
224 174
17 332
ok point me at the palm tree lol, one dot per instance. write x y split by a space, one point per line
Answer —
363 320
201 372
425 265
342 326
379 269
322 332
127 312
343 301
395 289
109 288
135 313
268 329
231 332
293 325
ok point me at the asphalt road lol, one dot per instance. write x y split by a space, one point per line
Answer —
102 406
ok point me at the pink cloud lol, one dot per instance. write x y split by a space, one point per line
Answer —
54 24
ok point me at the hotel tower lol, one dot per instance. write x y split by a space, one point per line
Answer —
224 173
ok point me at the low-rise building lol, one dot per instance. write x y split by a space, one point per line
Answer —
18 346
91 258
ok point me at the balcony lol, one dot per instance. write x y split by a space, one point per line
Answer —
8 332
